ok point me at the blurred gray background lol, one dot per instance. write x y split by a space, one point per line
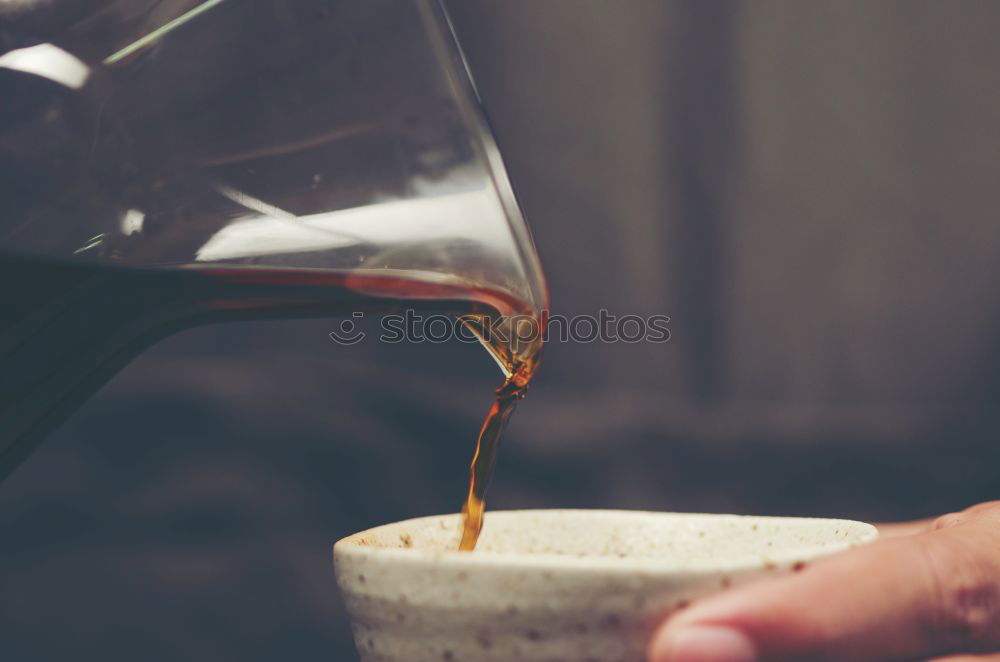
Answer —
807 189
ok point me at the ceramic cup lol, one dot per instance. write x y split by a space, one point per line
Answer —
557 584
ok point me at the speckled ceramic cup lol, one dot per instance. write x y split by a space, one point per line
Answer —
557 584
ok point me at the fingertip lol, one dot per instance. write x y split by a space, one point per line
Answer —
701 643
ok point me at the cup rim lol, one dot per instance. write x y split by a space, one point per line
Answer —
355 547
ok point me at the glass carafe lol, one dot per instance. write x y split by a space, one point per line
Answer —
170 163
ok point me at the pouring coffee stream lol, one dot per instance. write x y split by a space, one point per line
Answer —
519 367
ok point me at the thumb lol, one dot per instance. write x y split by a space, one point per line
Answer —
916 597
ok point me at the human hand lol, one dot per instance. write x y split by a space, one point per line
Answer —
909 597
